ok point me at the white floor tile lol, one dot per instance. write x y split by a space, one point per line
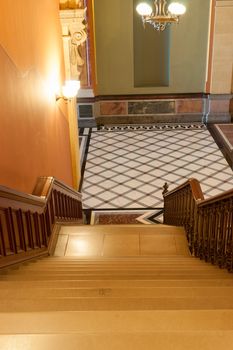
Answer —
141 161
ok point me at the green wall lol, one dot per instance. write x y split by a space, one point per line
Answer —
151 54
115 49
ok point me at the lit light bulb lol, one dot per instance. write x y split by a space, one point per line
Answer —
143 9
70 89
175 8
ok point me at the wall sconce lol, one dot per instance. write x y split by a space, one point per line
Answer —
69 90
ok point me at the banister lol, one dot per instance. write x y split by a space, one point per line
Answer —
208 222
27 220
195 188
45 184
219 197
19 200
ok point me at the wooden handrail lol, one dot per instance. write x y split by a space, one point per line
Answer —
219 197
27 220
208 222
195 188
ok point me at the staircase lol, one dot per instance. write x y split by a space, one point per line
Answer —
138 288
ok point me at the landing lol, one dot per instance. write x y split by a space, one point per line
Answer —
121 241
127 166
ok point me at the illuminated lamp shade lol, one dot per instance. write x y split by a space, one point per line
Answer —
70 88
143 9
177 9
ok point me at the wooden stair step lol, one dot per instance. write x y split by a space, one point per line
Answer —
132 258
142 292
92 229
202 340
116 321
129 276
110 265
115 269
102 303
110 261
167 283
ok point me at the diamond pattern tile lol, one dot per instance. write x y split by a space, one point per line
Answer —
127 166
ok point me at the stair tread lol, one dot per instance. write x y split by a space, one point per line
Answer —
113 283
118 321
120 303
202 340
144 292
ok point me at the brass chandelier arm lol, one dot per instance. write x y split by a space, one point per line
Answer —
164 19
162 16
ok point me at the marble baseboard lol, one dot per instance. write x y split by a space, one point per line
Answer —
87 123
150 119
220 108
109 108
214 118
151 107
128 109
190 106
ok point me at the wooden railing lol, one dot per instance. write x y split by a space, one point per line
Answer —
27 221
208 223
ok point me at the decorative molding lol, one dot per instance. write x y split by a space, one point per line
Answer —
85 93
175 108
70 4
149 96
224 3
74 36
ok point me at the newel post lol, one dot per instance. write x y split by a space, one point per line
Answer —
165 188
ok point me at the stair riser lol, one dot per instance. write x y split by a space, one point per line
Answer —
85 304
116 273
111 277
59 284
143 292
117 267
112 265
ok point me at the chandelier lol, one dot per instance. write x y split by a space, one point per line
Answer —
162 15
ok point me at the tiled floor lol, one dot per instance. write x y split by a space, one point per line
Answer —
127 167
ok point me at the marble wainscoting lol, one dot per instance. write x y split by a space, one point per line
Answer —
150 109
219 109
110 108
85 112
223 135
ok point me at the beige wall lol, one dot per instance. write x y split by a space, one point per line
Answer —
114 49
222 61
34 130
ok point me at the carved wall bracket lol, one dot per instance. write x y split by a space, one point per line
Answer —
74 37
